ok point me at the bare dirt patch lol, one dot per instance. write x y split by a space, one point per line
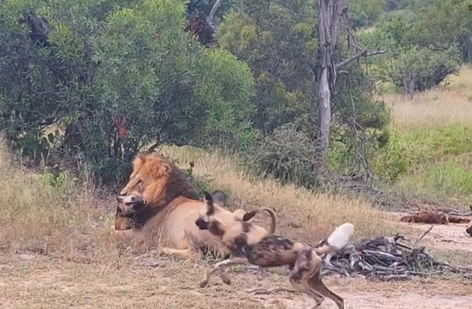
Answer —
450 236
35 282
54 252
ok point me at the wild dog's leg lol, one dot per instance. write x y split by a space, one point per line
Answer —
300 282
218 266
305 267
318 286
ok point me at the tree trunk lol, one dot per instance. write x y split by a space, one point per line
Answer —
324 112
329 14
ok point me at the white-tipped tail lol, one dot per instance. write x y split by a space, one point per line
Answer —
340 237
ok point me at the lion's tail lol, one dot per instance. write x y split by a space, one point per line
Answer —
337 240
273 217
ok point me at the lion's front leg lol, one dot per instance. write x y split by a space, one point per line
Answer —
123 235
182 253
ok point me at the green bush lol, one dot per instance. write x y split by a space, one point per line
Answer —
112 62
286 155
409 65
435 160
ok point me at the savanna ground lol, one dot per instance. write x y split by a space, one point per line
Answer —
54 251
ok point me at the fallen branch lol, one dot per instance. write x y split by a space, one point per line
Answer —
422 236
386 259
259 291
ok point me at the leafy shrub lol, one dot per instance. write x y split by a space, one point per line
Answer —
286 155
115 78
408 65
202 183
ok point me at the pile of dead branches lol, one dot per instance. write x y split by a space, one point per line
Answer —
388 258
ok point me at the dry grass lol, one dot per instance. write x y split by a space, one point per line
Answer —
54 251
317 214
442 106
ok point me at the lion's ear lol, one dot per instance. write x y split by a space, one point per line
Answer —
165 168
208 199
249 215
138 162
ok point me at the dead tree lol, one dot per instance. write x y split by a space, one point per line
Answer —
330 15
204 27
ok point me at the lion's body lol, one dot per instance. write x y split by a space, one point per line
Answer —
170 205
174 227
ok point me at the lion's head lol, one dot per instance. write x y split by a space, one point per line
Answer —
159 180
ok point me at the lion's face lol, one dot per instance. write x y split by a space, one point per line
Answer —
147 168
131 204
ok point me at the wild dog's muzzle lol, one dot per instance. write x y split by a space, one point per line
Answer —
131 203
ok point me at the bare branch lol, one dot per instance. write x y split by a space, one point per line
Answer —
217 4
363 53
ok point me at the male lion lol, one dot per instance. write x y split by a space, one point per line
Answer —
160 181
160 201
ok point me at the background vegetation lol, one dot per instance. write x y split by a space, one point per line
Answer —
237 109
99 80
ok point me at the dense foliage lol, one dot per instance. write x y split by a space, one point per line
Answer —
98 80
426 42
106 62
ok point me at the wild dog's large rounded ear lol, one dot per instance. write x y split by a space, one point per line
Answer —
249 215
208 199
219 197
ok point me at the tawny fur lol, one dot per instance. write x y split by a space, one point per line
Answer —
252 244
423 216
166 205
159 181
176 225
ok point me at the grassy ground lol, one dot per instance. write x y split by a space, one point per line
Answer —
432 139
54 251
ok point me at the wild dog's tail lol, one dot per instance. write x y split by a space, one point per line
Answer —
273 224
273 218
337 240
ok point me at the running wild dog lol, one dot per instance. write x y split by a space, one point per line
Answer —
252 244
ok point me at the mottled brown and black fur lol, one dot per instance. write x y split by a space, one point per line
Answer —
469 230
219 197
252 244
127 210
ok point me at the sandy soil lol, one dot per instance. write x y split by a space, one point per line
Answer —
391 301
36 282
30 281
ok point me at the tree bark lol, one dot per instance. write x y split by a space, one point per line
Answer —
324 112
329 14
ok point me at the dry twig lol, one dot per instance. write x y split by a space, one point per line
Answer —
387 258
